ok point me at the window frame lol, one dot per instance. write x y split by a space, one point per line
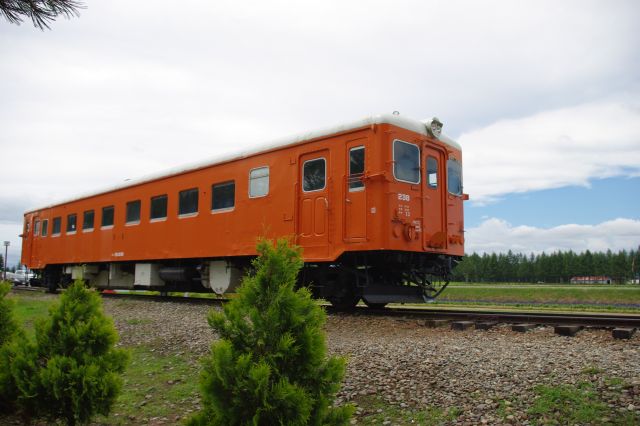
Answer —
45 227
129 209
223 209
324 180
429 184
113 217
84 220
268 176
189 214
57 219
358 179
453 160
166 208
75 224
393 149
36 228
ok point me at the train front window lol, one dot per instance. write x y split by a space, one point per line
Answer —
87 220
356 168
45 227
432 172
107 216
72 220
223 196
314 175
57 225
188 202
259 182
454 177
158 207
133 212
406 162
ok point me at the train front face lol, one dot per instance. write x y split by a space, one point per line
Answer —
424 223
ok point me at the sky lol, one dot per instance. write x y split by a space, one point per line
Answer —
543 97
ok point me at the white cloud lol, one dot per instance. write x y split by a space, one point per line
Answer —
569 146
497 235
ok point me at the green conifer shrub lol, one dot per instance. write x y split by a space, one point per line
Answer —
8 325
270 365
72 370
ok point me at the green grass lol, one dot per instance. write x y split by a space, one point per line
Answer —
549 295
29 308
156 386
374 411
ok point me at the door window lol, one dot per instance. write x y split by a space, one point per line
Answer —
314 175
356 168
432 172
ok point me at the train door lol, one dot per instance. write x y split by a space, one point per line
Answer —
434 201
313 209
27 240
355 202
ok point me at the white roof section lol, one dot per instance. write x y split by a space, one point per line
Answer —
393 119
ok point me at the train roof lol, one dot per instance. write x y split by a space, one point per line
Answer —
417 126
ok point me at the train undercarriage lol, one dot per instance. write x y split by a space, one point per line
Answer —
377 278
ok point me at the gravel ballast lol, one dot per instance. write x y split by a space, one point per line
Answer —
487 376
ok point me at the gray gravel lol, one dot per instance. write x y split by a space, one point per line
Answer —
488 376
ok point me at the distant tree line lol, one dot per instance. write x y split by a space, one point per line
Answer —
557 267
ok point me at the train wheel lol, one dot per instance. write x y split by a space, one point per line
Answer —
344 296
372 305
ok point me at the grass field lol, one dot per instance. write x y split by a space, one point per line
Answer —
625 298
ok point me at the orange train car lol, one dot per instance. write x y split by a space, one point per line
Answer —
376 205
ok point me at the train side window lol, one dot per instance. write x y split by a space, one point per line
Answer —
314 173
107 217
406 162
36 228
188 202
45 227
87 221
356 168
454 177
133 212
57 225
223 196
158 208
432 172
72 221
259 182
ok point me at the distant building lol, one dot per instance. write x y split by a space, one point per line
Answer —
594 279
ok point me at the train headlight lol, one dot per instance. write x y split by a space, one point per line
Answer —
434 126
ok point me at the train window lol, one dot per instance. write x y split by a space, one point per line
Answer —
158 207
57 225
36 228
72 220
356 168
107 216
133 212
432 172
406 162
188 202
87 220
259 182
45 227
314 175
454 176
223 196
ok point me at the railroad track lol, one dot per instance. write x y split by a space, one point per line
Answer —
571 323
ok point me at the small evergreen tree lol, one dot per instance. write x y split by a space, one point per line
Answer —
8 324
72 370
270 366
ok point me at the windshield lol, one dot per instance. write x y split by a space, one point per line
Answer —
406 162
454 176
